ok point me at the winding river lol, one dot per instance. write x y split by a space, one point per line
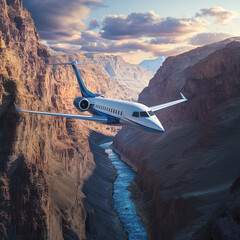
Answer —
123 205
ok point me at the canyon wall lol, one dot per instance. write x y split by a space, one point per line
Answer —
47 165
129 76
187 171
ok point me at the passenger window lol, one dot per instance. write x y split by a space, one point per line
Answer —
144 114
135 114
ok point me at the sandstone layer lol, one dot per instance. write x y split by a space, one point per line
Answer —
46 163
186 173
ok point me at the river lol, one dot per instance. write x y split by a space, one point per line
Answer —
123 205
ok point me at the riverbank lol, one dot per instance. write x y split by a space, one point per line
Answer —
124 205
124 159
102 221
136 195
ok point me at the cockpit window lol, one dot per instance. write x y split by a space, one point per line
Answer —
135 114
151 113
144 114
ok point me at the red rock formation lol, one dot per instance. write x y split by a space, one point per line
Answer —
45 161
187 171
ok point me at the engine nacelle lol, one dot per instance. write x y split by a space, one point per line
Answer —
81 103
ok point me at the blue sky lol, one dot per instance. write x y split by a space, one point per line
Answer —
136 30
164 8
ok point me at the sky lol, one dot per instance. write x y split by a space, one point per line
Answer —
137 30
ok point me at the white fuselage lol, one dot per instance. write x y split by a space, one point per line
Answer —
135 114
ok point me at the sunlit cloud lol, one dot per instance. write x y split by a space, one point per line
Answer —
64 47
208 38
148 24
61 20
170 40
126 47
219 14
118 46
62 26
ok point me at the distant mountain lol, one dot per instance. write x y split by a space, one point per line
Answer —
153 64
127 75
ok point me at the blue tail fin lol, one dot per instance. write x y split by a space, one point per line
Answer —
85 92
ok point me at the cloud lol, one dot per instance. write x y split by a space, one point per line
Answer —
168 40
60 19
208 38
220 15
148 24
133 46
87 37
64 47
61 24
93 24
94 4
119 46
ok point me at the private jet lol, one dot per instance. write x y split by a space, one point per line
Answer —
111 111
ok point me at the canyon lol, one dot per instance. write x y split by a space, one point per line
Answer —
57 183
188 173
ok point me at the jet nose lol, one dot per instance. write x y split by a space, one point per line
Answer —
158 126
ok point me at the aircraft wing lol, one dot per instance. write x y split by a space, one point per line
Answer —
165 105
84 117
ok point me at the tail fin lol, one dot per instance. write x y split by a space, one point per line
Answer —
85 92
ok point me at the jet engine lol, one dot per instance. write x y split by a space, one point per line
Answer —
81 103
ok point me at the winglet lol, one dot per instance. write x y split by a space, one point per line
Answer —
183 96
17 107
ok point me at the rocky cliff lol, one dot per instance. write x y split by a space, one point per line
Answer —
130 76
186 173
46 163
